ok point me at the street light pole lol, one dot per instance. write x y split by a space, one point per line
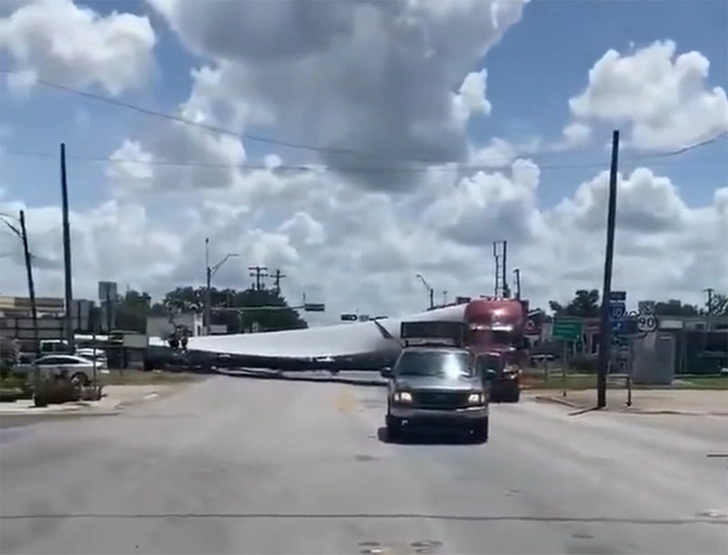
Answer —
209 272
430 290
208 286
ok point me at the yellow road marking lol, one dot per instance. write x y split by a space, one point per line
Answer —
345 400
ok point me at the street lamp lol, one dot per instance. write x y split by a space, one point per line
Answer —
209 272
430 290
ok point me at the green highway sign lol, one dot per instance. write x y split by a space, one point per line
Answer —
567 329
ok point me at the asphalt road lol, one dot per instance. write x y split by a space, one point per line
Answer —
245 466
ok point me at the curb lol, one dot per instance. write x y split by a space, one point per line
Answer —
162 393
623 410
131 403
58 414
558 400
632 410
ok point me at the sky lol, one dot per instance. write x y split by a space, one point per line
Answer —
354 145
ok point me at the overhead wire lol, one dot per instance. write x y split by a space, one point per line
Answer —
430 166
652 160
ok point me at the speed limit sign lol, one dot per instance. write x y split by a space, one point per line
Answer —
646 323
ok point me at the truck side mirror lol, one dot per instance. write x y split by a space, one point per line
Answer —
386 372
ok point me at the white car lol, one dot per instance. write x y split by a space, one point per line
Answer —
99 355
79 369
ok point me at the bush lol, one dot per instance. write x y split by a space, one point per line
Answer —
56 392
583 363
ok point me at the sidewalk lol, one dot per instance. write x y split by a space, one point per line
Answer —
116 398
645 401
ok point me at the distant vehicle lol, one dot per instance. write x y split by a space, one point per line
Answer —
436 385
99 355
496 330
79 369
48 346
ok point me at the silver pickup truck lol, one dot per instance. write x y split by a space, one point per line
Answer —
436 386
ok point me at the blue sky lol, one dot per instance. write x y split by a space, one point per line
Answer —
542 61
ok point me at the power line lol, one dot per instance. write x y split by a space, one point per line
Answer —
367 169
300 146
208 127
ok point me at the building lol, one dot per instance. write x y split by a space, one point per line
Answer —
162 326
20 306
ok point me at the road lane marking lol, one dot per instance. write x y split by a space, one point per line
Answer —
345 400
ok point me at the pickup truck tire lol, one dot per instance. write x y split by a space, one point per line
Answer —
394 428
480 431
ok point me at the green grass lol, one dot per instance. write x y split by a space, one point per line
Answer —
137 377
582 382
572 383
12 382
705 382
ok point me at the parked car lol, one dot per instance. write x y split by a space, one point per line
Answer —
79 369
99 355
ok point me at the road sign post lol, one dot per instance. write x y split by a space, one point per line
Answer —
617 310
617 296
647 323
567 329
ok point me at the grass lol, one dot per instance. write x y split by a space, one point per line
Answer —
580 382
11 382
705 382
138 377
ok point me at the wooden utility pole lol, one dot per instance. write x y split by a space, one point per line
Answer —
68 270
605 335
31 282
277 277
259 273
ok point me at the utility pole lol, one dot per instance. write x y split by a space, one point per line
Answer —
258 272
517 273
33 305
31 283
277 277
208 288
506 289
68 270
605 335
500 255
709 291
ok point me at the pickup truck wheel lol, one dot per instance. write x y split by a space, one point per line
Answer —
480 431
394 428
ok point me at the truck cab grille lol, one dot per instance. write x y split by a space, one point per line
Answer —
440 399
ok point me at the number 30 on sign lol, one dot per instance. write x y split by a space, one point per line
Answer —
646 323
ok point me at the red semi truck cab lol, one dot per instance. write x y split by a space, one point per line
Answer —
496 329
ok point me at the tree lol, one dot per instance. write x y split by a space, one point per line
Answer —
132 311
226 301
585 304
675 307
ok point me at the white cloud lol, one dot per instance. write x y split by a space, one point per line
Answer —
64 43
359 249
374 77
663 98
396 80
